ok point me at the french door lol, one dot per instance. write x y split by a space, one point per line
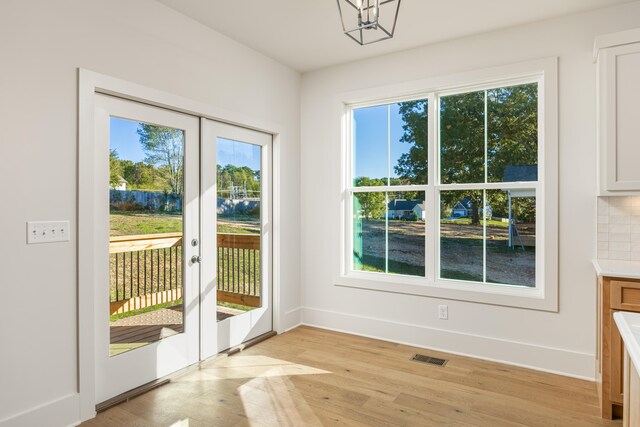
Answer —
147 286
182 264
237 236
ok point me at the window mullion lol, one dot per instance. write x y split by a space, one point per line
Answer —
431 238
386 233
484 191
386 198
388 144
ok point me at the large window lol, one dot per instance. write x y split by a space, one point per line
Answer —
447 190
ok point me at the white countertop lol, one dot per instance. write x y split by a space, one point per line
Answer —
629 327
615 268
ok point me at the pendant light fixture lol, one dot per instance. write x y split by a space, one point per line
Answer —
369 21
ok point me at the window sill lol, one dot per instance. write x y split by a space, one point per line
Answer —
502 295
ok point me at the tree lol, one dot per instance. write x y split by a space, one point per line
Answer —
115 169
142 176
511 139
372 204
164 148
412 167
238 176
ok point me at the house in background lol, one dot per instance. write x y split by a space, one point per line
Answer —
404 209
462 209
121 185
521 173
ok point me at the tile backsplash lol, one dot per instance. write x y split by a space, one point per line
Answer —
619 228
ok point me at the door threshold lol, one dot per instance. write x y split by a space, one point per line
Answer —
249 343
128 395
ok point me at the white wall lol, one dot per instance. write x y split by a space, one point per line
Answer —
42 43
562 342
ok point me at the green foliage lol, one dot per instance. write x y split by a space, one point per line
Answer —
115 169
370 205
412 167
164 148
377 264
462 138
512 128
512 134
143 176
241 177
126 224
131 313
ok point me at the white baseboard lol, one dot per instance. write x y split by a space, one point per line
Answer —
64 411
291 320
548 359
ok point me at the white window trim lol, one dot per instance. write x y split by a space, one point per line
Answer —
545 294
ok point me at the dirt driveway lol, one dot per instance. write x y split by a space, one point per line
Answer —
461 250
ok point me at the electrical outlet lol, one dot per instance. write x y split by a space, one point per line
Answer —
47 231
443 312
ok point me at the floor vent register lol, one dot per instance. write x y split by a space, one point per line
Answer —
428 359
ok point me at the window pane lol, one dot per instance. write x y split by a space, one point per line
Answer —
369 231
406 237
461 235
462 138
370 146
408 143
511 237
512 144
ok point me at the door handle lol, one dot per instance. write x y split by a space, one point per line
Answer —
195 259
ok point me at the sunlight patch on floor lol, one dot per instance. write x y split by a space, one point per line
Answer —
238 366
274 400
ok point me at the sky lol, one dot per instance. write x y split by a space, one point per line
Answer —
124 139
370 135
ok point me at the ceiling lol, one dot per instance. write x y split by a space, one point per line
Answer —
307 34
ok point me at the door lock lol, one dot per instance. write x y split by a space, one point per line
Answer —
195 259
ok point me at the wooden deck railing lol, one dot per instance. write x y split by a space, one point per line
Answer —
146 270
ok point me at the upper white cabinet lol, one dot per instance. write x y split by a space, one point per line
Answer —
618 61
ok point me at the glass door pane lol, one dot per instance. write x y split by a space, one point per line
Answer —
145 234
236 243
238 227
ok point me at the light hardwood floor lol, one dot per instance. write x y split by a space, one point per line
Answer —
313 377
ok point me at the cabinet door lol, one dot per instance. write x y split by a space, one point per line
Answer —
619 91
616 364
625 294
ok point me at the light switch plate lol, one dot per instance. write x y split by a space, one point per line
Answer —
47 231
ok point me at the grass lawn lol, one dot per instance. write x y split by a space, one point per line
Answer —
128 223
467 221
376 264
124 315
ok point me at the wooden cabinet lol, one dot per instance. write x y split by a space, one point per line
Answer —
618 66
614 294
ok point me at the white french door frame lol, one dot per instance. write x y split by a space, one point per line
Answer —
89 84
120 373
258 321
